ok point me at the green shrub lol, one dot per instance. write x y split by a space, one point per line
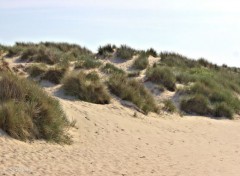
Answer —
141 62
87 62
125 52
27 112
177 60
134 74
169 106
41 54
86 87
162 75
54 75
106 50
112 69
223 110
151 52
133 91
35 70
197 104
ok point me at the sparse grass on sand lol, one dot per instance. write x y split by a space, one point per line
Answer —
28 113
86 87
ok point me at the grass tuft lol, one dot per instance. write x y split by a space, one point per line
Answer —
133 91
27 112
86 87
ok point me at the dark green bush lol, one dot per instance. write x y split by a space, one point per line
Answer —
162 75
125 52
223 110
86 87
106 50
35 70
151 52
54 75
197 104
133 91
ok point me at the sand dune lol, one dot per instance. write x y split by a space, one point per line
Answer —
110 141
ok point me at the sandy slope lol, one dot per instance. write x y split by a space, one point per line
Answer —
110 141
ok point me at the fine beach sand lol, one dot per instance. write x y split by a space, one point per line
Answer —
110 141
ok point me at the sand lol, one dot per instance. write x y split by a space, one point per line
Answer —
110 141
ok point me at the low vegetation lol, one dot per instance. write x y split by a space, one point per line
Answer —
125 52
28 113
141 62
133 91
106 50
86 87
87 62
169 106
112 69
162 75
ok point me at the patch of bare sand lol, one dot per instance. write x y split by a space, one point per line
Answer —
110 141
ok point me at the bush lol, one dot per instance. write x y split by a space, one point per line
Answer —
133 74
111 69
86 87
141 62
162 75
151 52
41 54
27 112
133 91
169 106
106 50
125 52
35 70
223 110
198 104
54 75
87 62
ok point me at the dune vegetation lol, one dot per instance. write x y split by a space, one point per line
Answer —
27 112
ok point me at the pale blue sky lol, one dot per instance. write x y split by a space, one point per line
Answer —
195 28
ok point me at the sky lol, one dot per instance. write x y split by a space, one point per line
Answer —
194 28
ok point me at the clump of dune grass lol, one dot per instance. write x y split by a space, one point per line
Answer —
169 106
141 62
125 52
112 69
133 91
35 70
86 87
134 73
221 100
54 75
223 110
151 52
87 62
28 113
162 75
197 104
106 50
